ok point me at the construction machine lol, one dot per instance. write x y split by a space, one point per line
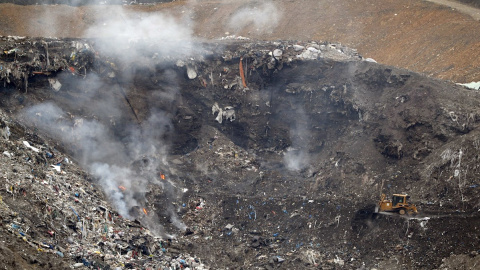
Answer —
398 203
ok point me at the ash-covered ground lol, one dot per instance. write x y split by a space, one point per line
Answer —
230 154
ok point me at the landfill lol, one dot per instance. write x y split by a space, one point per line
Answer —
272 156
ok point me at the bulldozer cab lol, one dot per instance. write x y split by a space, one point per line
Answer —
399 199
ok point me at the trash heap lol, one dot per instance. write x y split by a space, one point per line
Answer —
54 207
22 58
25 60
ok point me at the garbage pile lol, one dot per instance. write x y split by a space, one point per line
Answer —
25 60
22 58
257 58
48 202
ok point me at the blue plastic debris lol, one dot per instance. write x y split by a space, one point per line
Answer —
49 155
275 234
22 234
15 226
60 254
85 262
75 213
474 186
184 205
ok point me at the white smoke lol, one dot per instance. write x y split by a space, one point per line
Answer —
130 40
263 17
105 157
111 177
297 157
135 36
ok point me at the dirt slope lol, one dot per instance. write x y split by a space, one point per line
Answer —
422 36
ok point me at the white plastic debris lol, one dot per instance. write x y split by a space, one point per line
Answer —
227 113
234 37
77 265
277 53
57 168
180 63
31 147
370 60
8 154
472 85
339 261
55 84
298 48
309 53
5 132
191 73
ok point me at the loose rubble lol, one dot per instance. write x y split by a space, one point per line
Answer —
54 207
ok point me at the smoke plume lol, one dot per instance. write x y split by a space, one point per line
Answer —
262 17
297 157
133 155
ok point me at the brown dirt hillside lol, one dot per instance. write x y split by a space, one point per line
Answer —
418 35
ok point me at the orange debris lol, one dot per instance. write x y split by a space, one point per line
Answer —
242 74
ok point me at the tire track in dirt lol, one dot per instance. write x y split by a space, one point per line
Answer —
474 12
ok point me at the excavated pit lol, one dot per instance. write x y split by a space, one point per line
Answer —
273 153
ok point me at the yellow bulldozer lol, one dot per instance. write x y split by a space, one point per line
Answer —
398 203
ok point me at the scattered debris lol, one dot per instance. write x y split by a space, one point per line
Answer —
227 113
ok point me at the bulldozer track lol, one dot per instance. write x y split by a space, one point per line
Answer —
427 216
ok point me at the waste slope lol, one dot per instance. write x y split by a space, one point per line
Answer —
275 164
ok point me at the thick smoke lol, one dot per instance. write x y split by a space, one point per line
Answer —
264 17
105 156
126 164
132 36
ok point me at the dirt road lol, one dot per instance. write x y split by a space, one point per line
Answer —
474 12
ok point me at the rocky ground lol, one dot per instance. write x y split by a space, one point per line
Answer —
171 153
